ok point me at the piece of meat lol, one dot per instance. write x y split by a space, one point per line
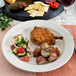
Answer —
58 37
37 52
41 60
41 35
17 6
52 57
23 3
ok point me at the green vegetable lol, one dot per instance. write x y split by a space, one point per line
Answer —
24 41
29 53
22 54
4 21
26 47
14 50
18 40
23 45
18 43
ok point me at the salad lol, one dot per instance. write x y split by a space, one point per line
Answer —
20 47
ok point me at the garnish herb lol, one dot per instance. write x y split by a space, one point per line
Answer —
4 21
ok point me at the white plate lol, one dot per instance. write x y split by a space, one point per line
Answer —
66 46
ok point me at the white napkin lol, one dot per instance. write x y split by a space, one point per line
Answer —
2 3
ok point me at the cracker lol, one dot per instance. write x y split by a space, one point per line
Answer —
28 8
36 6
30 11
41 9
40 14
34 13
46 9
41 3
31 5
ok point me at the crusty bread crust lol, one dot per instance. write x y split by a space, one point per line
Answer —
10 1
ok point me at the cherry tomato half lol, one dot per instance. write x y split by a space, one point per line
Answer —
25 58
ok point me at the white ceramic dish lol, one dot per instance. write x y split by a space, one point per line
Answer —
66 46
2 3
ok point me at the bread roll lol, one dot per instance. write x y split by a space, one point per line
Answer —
10 1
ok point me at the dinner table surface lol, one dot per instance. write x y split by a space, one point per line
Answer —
68 69
70 16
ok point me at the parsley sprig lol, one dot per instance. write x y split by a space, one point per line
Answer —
4 21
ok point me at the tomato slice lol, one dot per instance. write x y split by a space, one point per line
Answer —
21 50
25 58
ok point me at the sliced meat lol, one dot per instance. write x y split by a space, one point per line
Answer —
17 6
23 3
